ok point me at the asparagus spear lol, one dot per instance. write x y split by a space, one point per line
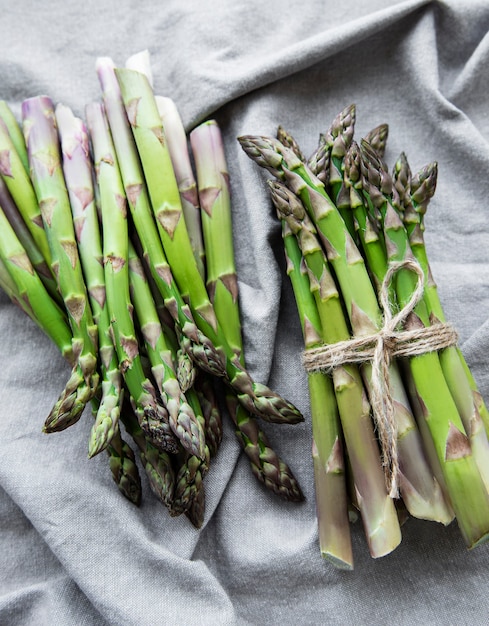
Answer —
188 483
124 470
48 181
177 146
213 352
327 162
222 285
150 413
215 198
327 448
18 183
23 284
196 511
340 135
77 168
14 130
287 140
187 186
141 62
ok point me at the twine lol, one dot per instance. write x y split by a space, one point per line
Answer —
379 349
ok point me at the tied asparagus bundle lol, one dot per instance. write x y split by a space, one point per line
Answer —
122 253
399 426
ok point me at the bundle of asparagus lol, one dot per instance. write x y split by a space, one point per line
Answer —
407 438
125 259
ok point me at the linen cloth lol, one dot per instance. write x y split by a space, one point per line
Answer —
73 551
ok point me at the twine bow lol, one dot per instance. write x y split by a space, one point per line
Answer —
379 349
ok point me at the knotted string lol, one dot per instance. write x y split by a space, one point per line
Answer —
379 349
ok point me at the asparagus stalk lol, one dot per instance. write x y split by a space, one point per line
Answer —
14 130
177 145
48 181
376 507
196 511
123 466
77 168
148 133
188 483
327 447
467 491
422 188
9 287
16 179
369 235
222 285
319 162
23 284
215 198
190 471
327 161
185 367
141 62
150 413
187 186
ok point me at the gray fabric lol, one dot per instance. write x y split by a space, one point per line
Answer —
72 550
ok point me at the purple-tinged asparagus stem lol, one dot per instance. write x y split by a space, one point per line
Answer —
19 184
42 142
78 168
187 186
